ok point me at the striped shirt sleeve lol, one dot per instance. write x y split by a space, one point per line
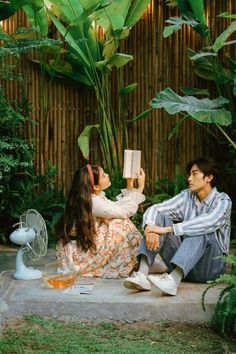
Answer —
173 207
205 223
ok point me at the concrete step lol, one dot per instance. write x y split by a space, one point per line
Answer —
108 300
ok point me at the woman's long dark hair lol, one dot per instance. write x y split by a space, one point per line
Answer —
77 219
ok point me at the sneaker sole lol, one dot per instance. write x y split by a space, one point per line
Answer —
154 282
130 285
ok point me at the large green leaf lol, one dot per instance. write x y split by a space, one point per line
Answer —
127 89
71 9
227 15
85 35
141 115
203 54
118 60
194 10
113 15
198 10
194 91
203 110
68 37
220 41
176 24
136 12
218 74
37 18
83 139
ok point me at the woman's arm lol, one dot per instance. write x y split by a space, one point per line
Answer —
121 209
125 206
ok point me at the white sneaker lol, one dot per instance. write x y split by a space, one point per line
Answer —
164 282
137 281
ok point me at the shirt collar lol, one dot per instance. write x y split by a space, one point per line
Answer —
207 200
101 194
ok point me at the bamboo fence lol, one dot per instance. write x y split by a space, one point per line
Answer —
61 110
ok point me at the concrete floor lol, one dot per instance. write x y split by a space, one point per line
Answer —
105 298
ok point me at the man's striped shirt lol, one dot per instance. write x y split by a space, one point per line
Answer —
194 218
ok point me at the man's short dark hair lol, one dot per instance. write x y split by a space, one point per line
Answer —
207 166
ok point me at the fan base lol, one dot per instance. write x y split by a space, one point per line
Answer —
28 274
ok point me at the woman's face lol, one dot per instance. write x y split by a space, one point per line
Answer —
104 180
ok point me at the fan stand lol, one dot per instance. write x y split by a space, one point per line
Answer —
23 272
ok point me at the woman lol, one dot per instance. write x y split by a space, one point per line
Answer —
96 237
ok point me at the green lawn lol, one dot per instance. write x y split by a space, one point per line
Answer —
37 335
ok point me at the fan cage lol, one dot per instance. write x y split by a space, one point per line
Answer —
33 219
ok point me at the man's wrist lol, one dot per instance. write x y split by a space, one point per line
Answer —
169 229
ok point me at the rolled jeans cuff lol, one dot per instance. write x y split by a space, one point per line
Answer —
144 251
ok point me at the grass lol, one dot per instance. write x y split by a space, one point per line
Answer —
34 334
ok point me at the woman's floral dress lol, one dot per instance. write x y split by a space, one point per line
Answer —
117 240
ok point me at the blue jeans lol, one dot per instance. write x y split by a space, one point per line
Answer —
195 255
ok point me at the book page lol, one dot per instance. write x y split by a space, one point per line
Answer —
132 163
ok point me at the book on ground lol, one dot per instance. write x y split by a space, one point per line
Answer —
132 163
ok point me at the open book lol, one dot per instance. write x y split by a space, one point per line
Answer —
132 163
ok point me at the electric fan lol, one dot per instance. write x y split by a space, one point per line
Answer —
32 237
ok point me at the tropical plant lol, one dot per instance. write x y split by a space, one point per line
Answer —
207 64
93 31
224 317
20 187
166 189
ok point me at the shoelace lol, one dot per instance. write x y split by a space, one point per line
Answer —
165 276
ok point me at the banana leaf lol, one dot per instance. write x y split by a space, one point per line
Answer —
220 41
141 115
227 15
203 110
68 37
127 89
85 35
221 75
37 18
71 9
113 15
203 54
176 24
118 60
198 10
83 139
136 12
194 9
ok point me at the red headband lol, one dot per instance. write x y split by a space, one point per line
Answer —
91 175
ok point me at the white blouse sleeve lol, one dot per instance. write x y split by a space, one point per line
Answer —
123 208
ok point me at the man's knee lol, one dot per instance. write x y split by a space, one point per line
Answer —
163 219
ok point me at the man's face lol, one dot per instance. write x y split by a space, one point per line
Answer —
197 182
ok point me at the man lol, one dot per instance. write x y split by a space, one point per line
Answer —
186 232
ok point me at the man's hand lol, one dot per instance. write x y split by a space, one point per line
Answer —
152 234
152 240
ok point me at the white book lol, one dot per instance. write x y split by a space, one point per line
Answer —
132 163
